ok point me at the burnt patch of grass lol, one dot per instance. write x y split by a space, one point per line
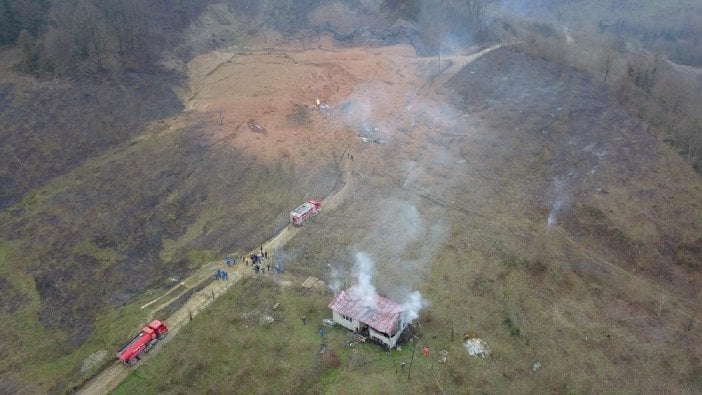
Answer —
512 327
12 299
689 255
299 117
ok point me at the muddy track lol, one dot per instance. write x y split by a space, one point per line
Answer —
110 377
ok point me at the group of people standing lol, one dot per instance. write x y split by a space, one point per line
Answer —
255 260
221 275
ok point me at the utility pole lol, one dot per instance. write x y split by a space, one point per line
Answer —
409 370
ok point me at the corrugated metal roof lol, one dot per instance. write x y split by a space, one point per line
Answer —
379 313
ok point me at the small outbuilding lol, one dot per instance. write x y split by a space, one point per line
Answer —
374 316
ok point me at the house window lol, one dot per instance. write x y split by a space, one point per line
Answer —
347 318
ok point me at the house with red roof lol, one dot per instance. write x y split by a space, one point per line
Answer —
378 317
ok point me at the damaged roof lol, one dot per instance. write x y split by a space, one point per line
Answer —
379 313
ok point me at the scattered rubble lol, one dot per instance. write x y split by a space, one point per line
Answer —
355 338
255 127
265 319
443 356
258 317
313 283
477 347
250 315
368 135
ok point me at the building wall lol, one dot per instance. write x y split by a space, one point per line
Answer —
388 341
353 325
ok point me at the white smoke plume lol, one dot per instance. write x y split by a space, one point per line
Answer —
364 289
560 203
413 304
335 280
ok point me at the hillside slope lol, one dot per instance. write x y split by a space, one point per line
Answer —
519 200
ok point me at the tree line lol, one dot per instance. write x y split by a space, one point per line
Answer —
59 37
74 36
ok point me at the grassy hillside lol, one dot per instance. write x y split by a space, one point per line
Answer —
525 202
525 214
86 244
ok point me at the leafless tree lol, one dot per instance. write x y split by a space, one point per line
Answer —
607 60
25 43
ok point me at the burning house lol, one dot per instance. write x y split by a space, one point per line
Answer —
371 315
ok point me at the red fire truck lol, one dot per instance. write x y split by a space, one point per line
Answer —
143 342
306 210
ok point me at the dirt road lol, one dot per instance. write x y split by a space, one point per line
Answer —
112 376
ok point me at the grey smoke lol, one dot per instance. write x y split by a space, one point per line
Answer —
560 202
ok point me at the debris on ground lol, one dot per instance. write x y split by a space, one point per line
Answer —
325 109
250 315
368 135
470 335
443 356
313 283
376 141
355 338
477 347
328 322
265 319
255 127
536 366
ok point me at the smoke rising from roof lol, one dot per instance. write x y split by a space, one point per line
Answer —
364 289
404 244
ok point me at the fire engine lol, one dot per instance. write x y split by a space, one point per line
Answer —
143 342
306 210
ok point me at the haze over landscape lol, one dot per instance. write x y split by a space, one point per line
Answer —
516 177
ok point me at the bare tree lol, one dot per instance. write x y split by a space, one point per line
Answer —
87 28
25 43
607 60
